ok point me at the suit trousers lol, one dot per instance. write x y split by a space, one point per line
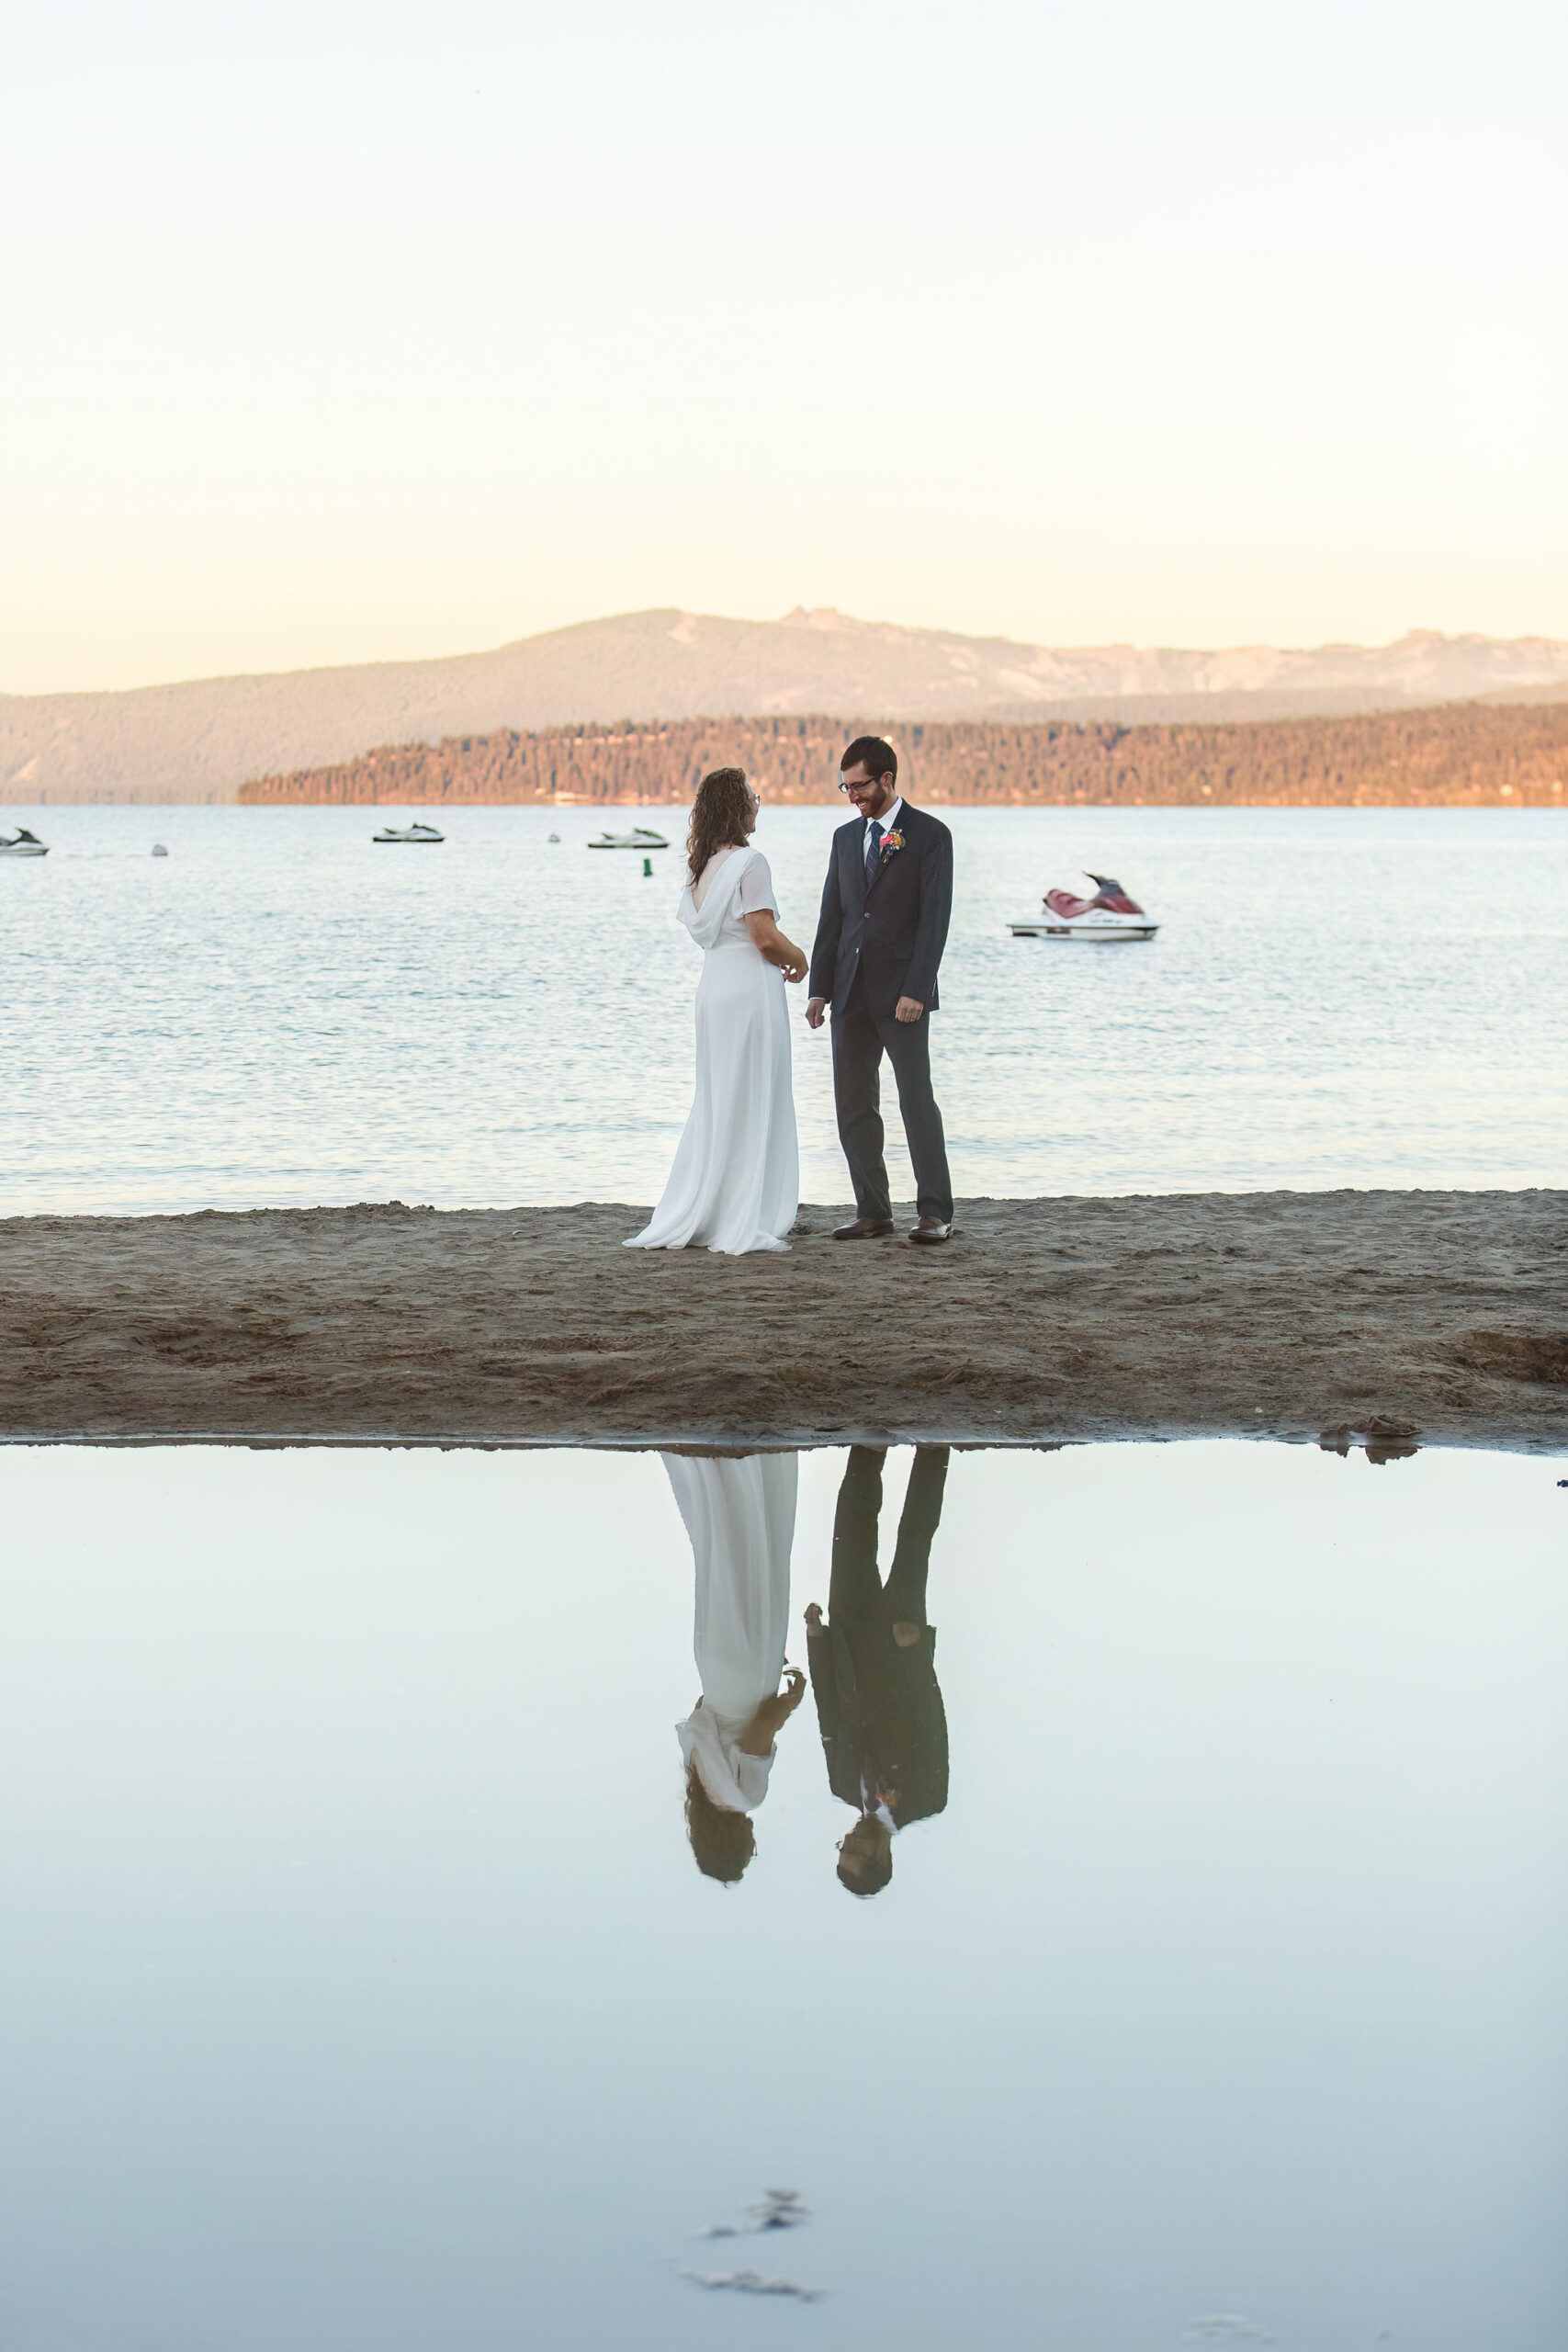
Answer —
856 1592
854 1588
860 1038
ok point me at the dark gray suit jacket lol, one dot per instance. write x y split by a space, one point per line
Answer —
893 929
879 1709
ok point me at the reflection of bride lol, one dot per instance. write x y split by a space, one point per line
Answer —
739 1513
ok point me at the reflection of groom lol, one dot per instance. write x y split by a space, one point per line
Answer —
885 906
873 1666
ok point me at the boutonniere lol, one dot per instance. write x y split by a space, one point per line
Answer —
890 842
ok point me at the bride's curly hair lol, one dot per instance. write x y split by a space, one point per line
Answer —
720 814
722 1842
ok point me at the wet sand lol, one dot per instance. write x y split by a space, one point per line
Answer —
1380 1316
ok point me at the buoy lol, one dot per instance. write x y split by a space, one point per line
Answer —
647 865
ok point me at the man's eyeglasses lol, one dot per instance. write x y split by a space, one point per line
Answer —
869 784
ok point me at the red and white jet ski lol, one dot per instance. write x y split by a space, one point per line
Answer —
1111 914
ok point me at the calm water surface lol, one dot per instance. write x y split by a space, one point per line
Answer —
359 1989
280 1012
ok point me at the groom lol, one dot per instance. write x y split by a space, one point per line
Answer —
879 940
873 1666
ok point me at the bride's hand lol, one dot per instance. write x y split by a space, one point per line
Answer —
796 968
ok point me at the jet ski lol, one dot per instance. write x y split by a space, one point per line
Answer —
411 833
638 838
21 844
1111 914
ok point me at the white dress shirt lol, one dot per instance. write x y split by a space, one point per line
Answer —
886 823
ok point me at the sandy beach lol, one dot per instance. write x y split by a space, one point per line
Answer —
1397 1316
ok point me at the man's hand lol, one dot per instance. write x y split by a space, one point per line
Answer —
816 1012
909 1008
814 1619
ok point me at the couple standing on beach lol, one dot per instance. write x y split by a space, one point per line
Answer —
735 1183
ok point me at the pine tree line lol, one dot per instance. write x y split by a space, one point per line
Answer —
1456 755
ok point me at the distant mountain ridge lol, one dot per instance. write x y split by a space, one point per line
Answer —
201 739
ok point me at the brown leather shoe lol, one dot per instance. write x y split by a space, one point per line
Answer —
864 1228
930 1228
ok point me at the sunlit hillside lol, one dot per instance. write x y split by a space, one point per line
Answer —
1459 754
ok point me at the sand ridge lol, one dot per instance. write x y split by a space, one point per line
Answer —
1443 1315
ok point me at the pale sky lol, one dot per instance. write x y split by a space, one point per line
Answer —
344 333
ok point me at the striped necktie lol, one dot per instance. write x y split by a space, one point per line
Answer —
873 847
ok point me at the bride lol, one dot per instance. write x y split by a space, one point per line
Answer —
735 1184
740 1515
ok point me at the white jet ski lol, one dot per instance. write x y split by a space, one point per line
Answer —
21 844
412 833
1110 915
638 838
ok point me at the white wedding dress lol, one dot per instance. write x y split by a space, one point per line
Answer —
735 1184
740 1515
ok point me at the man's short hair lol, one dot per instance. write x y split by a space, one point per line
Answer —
870 1878
872 752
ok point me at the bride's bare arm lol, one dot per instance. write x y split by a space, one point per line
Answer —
770 941
757 1737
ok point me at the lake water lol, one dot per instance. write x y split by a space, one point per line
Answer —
359 1992
280 1012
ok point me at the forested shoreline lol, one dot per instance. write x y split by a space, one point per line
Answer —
1453 755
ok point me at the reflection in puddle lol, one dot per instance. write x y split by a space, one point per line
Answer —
781 2209
873 1666
358 1989
1380 1439
741 1517
751 2283
872 1658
